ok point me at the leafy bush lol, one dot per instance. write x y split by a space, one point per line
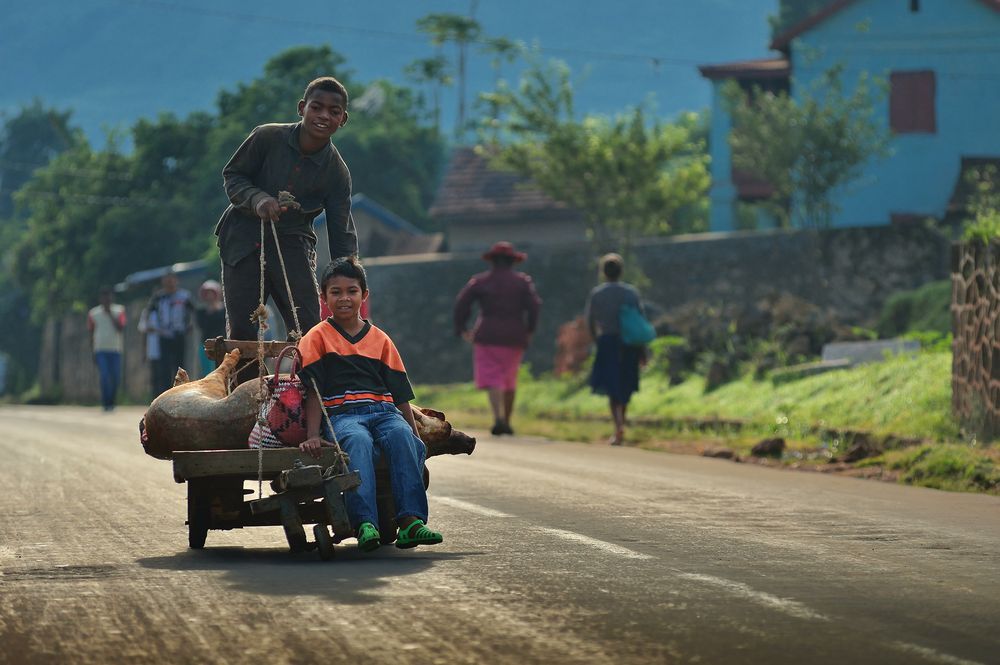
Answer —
926 309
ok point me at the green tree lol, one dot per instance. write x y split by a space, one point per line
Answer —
629 176
29 139
807 146
434 72
461 31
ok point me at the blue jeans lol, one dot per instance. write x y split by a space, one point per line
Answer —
109 368
368 432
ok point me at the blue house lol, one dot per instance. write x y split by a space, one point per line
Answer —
941 59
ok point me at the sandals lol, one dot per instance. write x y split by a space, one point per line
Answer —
417 534
369 539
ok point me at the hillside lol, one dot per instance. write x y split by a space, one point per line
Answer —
113 61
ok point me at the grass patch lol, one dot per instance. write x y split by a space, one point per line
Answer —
904 396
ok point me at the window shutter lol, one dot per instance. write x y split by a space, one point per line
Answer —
912 101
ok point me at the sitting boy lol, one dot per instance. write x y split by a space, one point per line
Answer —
363 386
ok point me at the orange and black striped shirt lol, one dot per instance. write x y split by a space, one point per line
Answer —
353 370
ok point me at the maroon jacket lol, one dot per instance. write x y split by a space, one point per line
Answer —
508 307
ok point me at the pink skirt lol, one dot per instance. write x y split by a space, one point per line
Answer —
496 366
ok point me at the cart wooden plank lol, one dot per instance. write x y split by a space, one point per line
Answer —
242 463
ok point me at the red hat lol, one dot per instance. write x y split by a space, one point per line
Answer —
504 248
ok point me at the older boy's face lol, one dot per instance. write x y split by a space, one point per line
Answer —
323 114
344 296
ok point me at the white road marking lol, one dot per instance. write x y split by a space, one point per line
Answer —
790 607
931 654
602 545
470 507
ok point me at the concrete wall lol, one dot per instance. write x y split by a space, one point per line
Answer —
851 271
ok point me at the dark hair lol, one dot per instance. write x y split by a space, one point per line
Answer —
327 83
345 266
502 261
611 266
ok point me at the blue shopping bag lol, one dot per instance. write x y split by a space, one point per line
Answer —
635 330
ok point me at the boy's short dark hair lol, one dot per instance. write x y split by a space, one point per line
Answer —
611 265
327 83
346 266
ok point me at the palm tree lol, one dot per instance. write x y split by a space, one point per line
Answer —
460 30
432 71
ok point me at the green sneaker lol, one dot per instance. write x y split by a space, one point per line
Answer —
417 534
368 537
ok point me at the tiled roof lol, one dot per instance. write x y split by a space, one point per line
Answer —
782 41
472 191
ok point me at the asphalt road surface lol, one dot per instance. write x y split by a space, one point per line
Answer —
553 553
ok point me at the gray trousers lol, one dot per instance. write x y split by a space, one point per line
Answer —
241 287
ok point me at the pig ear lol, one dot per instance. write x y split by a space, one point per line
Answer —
434 414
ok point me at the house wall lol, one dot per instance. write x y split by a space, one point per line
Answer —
722 193
957 40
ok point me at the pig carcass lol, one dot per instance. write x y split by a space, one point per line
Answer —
205 415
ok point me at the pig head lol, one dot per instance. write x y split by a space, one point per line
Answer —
438 434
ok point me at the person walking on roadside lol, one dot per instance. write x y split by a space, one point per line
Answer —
211 319
508 314
106 323
169 317
615 372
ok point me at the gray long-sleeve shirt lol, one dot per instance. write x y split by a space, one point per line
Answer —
603 305
270 161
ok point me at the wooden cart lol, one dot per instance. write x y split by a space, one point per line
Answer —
308 492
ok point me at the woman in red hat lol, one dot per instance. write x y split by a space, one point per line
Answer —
508 313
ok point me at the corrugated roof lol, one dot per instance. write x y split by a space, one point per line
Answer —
472 190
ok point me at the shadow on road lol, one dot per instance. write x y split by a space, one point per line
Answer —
351 577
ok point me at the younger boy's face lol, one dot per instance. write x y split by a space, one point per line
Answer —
344 296
323 114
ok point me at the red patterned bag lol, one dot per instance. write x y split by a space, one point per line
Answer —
284 412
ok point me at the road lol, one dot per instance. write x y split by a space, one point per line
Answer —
553 553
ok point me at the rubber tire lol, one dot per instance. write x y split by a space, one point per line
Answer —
324 543
198 517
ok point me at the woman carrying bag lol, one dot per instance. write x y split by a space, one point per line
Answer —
614 311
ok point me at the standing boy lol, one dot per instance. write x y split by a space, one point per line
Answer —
297 158
106 323
363 387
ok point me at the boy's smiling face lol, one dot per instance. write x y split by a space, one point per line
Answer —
343 295
322 114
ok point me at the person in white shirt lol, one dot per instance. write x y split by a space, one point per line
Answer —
106 323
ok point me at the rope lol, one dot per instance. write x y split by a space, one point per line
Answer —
260 317
342 457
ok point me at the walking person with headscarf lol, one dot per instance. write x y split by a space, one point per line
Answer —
615 372
508 314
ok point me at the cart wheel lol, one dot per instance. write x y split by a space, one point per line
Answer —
198 517
323 541
199 514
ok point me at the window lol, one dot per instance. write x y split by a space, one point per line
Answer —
911 102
